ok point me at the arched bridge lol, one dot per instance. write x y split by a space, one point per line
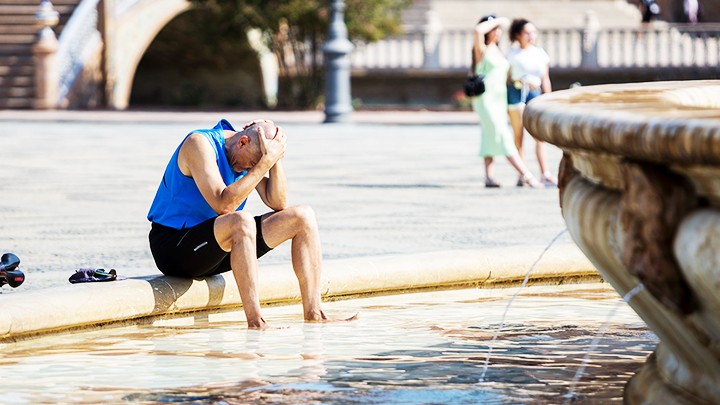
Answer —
132 27
102 44
85 56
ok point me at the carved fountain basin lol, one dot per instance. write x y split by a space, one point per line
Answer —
640 193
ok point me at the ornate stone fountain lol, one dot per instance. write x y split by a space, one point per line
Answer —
640 193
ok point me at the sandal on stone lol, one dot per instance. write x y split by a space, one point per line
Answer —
548 180
490 183
92 275
528 179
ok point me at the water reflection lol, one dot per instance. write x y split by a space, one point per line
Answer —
413 348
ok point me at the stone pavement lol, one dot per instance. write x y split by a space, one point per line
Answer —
75 187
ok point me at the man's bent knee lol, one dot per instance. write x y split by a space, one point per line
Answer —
243 224
233 227
305 216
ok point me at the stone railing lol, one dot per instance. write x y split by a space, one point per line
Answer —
78 41
592 47
660 46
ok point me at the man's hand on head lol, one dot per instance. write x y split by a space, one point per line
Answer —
280 135
273 149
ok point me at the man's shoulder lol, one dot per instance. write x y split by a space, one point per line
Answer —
199 142
196 149
197 137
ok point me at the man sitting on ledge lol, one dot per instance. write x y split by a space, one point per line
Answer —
199 227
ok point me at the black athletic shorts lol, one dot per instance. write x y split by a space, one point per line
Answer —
194 252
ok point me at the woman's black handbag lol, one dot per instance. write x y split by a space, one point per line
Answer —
474 86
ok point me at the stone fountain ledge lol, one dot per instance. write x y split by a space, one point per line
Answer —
640 193
90 305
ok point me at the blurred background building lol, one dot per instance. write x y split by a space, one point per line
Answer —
122 54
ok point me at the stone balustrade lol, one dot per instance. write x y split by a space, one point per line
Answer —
590 48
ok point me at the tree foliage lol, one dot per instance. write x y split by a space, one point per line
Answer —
295 30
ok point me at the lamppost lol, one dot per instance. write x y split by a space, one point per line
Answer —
337 67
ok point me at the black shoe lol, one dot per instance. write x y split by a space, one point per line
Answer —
490 183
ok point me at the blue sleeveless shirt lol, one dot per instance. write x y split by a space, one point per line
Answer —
178 202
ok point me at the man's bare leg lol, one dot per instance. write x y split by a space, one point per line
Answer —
235 233
300 225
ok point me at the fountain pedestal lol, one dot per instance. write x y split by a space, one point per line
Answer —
640 193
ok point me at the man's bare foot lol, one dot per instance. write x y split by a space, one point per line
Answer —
257 324
321 317
352 318
262 325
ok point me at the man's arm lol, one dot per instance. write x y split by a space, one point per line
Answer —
197 160
273 189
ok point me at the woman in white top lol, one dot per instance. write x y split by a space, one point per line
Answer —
529 77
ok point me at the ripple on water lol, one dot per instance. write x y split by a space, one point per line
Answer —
411 348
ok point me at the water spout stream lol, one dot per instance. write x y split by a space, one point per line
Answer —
502 319
596 341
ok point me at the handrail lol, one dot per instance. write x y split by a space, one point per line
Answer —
77 42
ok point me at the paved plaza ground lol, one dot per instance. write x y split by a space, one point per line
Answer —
75 187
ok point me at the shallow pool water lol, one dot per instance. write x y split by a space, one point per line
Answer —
421 348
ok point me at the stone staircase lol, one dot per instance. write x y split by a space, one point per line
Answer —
17 36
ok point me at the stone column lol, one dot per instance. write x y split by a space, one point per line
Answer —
433 34
106 18
44 50
589 58
268 66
